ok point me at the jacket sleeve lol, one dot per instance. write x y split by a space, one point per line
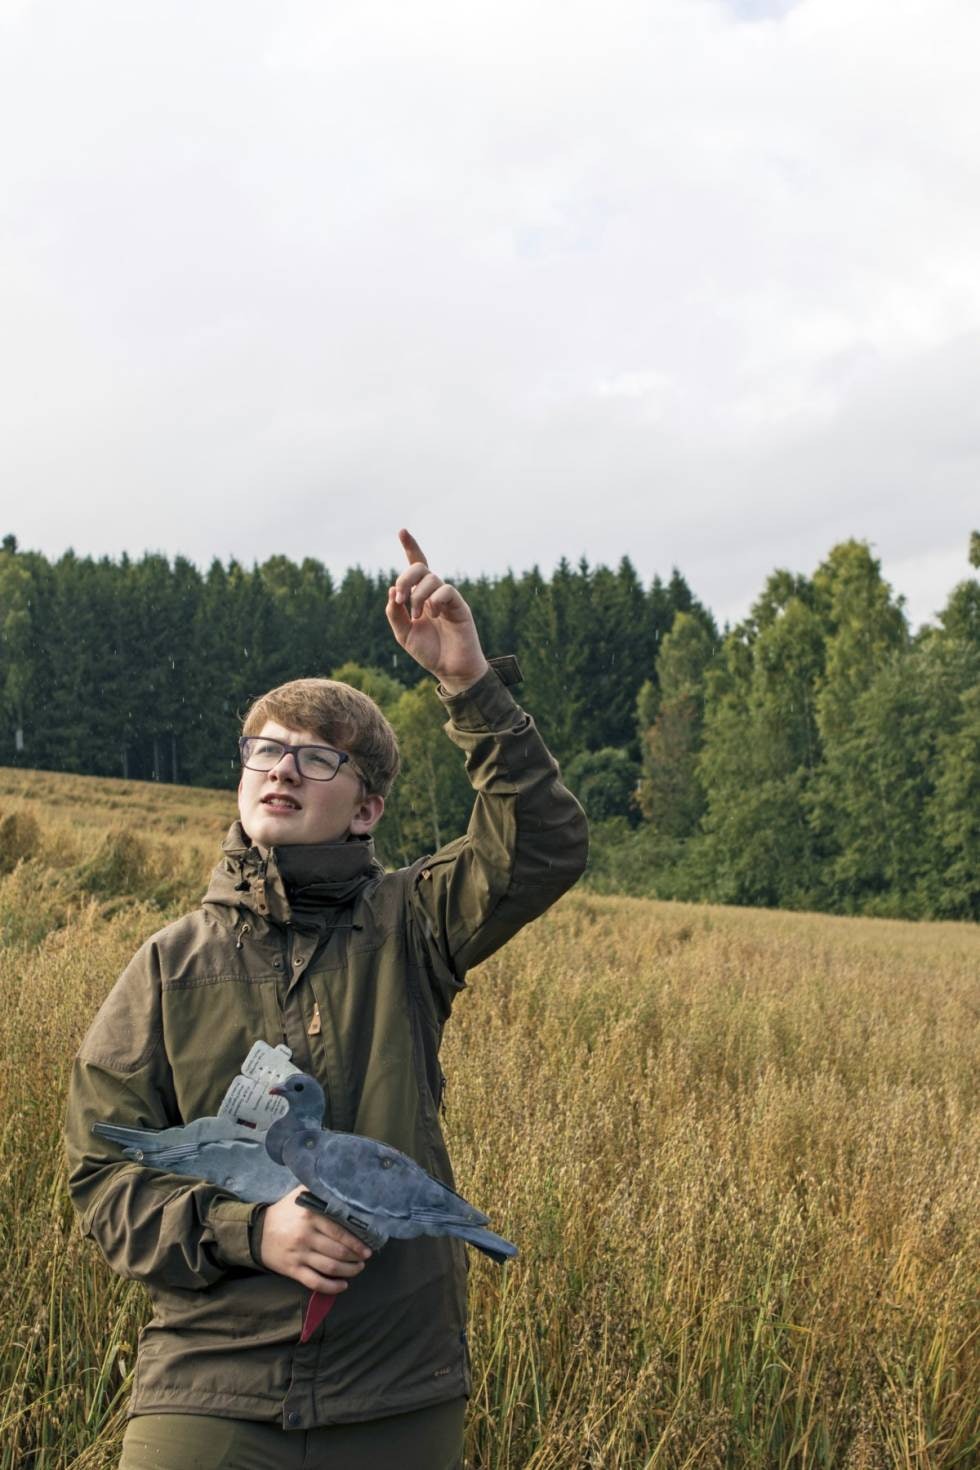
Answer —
526 843
152 1226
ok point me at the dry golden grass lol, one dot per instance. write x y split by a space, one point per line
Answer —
739 1151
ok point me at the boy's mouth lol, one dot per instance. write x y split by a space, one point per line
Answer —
283 803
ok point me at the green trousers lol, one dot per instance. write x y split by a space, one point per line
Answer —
425 1439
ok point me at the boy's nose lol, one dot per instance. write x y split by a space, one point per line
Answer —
286 768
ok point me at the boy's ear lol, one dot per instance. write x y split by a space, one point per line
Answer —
368 815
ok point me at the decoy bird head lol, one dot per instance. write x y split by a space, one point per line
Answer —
305 1097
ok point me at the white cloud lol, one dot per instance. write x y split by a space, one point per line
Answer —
552 278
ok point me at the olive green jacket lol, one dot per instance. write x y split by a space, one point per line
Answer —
362 1003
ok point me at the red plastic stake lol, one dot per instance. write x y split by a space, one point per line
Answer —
317 1308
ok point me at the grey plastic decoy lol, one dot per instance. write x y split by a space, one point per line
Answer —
375 1191
220 1150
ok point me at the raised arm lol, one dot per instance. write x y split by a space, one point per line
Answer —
527 839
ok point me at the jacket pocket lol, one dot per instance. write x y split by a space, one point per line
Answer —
269 1303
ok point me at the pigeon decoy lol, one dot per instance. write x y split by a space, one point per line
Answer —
374 1191
377 1188
224 1150
219 1150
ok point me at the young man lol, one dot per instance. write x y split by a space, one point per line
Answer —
303 939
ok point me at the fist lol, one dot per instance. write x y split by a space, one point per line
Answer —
311 1249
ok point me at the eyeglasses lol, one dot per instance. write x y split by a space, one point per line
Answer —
315 762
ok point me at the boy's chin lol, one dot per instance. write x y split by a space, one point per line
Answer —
264 834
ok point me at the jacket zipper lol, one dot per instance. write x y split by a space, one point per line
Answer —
280 998
324 1081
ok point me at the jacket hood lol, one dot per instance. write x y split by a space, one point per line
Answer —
293 879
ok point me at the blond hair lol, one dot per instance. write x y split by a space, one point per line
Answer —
340 715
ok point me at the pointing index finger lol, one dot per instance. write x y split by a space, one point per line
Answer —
412 548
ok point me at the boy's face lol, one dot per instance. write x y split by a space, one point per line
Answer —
280 806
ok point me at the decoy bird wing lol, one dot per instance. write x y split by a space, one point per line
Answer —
242 1167
247 1172
155 1140
217 1130
373 1176
202 1130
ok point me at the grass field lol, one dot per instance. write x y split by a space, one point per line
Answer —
739 1151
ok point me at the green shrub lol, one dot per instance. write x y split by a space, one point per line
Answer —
605 783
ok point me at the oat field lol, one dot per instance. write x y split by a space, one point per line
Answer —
739 1151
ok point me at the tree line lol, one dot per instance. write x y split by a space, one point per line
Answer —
820 754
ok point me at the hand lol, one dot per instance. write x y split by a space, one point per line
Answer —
432 622
311 1249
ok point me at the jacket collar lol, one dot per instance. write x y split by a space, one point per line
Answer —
292 879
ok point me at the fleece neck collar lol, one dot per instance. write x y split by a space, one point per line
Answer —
299 881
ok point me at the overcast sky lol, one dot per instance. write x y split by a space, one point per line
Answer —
692 280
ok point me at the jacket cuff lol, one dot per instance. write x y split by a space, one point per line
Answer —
255 1228
230 1222
488 704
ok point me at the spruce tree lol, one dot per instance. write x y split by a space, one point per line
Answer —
670 792
760 751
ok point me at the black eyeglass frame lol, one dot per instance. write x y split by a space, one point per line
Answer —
294 750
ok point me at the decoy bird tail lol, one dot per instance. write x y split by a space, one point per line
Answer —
143 1145
491 1245
130 1137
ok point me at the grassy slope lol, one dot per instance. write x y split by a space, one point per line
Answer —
738 1149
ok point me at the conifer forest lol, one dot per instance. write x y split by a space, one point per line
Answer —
821 754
